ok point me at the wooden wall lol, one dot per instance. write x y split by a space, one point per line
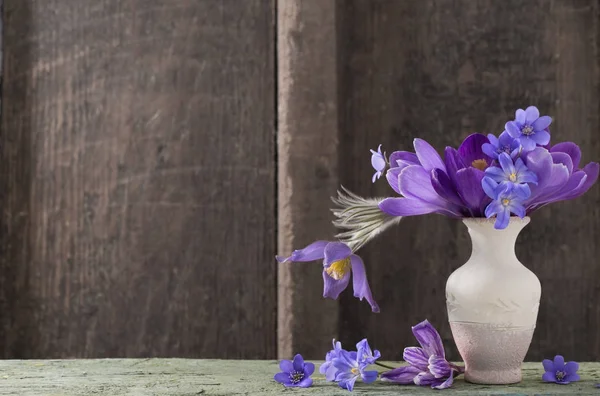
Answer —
145 191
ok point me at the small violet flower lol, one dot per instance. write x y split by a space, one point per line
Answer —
365 354
338 263
428 364
506 200
295 373
327 368
349 368
529 128
378 162
559 372
515 174
504 144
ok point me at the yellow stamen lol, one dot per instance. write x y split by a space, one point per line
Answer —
512 177
338 269
355 371
505 201
480 164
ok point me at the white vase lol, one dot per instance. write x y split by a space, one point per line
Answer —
493 303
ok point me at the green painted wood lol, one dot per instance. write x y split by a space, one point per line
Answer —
183 377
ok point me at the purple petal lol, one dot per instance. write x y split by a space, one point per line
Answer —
446 384
559 363
502 219
369 376
348 384
401 375
312 252
572 377
406 207
506 163
453 163
305 383
563 158
378 162
513 129
517 209
531 114
332 287
489 150
309 369
493 140
571 367
331 373
541 138
527 143
417 357
489 186
539 161
286 366
392 178
444 188
298 363
542 123
439 367
424 379
571 149
468 184
405 156
415 182
429 339
428 156
471 150
493 208
360 283
336 251
520 116
549 376
283 378
375 177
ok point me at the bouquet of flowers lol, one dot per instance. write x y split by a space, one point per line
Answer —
515 173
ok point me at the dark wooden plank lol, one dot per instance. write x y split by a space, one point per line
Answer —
441 70
308 159
138 179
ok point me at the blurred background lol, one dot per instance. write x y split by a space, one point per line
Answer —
157 154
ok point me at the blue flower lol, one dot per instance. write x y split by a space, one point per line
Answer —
365 355
295 373
559 372
349 369
516 174
529 128
328 368
378 162
504 144
506 200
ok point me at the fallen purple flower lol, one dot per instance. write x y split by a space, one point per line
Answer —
560 372
295 373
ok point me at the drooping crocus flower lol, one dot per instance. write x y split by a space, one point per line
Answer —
327 368
339 262
529 128
559 372
427 365
350 368
515 174
295 373
506 200
503 144
378 162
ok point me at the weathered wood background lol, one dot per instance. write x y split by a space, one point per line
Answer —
144 188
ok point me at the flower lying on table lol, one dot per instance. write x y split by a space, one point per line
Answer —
295 373
560 372
345 367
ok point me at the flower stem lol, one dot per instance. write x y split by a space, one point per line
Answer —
385 366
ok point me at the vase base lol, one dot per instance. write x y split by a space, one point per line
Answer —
492 354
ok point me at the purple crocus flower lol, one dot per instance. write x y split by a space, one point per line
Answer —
327 368
559 372
349 368
338 263
378 162
428 364
507 200
295 373
503 144
529 128
515 174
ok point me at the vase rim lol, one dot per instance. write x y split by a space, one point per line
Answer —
483 220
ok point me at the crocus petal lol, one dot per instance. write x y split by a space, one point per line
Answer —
286 366
369 376
502 219
298 363
392 178
406 207
541 138
531 114
335 251
405 156
571 367
439 367
429 339
513 129
444 187
471 148
520 116
428 156
305 383
446 384
312 252
401 375
549 377
424 379
415 182
542 123
563 158
360 283
468 184
332 288
569 148
539 161
559 363
416 357
283 378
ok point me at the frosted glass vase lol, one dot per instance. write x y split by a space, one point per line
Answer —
493 303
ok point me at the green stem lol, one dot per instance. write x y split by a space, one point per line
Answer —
385 366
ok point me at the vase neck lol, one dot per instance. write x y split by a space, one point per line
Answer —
495 244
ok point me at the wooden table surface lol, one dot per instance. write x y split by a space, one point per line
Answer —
186 377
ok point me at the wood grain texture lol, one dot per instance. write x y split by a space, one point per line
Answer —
137 179
308 176
441 70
